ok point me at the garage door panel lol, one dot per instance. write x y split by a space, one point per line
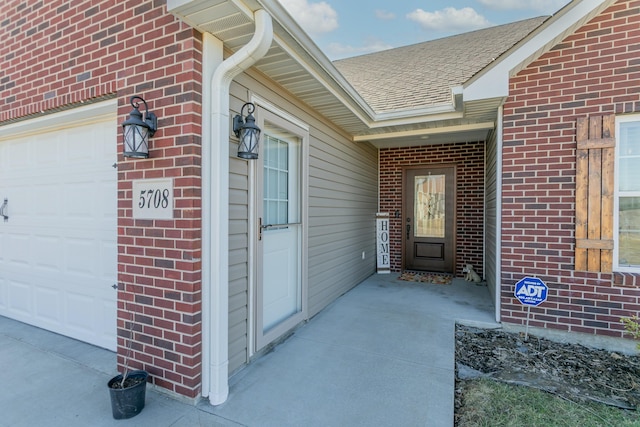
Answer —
77 200
81 256
47 200
80 313
19 298
47 156
4 294
18 155
20 248
58 251
47 253
108 258
47 303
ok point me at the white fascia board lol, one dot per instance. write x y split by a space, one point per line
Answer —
493 82
428 131
416 117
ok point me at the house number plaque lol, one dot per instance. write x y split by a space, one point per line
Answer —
153 198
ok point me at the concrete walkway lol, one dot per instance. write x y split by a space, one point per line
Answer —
383 355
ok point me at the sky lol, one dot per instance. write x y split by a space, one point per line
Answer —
345 28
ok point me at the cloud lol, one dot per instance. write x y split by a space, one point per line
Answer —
315 17
545 6
449 19
339 50
385 15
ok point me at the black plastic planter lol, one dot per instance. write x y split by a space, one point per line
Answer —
128 402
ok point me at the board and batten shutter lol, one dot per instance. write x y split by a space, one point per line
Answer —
595 164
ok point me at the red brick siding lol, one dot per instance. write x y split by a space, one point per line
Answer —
469 160
58 54
595 71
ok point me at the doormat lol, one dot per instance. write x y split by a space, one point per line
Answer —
426 277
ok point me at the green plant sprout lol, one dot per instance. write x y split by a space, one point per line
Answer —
632 327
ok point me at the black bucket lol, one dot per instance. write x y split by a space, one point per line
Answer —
128 402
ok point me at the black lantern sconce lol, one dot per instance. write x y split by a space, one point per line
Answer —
248 132
137 131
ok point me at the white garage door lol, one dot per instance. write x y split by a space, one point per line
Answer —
58 252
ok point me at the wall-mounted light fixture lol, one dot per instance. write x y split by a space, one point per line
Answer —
137 131
248 132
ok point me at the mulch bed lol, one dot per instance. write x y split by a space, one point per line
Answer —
571 371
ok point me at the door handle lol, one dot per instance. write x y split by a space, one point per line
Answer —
3 209
408 230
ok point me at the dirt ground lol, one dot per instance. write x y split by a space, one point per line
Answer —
572 371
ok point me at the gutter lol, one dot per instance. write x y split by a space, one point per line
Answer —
215 217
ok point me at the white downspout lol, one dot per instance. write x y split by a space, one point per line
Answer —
499 141
215 250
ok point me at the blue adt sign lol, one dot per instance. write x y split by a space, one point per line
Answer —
531 291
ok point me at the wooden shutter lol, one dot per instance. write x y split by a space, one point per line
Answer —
595 159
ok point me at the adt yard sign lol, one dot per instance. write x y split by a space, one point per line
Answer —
531 291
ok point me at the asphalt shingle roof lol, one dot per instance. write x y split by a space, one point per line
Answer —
422 75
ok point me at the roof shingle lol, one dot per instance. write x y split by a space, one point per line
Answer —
422 75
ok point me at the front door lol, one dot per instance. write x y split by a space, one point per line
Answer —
280 299
429 219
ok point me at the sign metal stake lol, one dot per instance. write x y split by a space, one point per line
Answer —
526 330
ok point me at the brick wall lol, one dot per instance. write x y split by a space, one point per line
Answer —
595 71
59 54
469 159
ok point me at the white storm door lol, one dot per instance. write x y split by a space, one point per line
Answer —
280 296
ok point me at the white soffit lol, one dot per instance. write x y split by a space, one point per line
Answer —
293 61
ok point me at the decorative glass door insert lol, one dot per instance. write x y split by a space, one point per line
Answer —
429 206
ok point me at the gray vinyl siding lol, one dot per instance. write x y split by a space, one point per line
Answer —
238 261
343 194
490 233
342 203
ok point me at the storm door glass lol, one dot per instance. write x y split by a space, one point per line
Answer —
276 181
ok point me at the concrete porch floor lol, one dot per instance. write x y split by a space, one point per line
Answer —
382 354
